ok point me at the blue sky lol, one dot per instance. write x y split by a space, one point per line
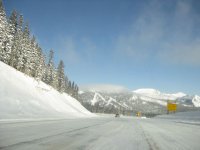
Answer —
131 43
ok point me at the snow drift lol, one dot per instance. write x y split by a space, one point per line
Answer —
23 97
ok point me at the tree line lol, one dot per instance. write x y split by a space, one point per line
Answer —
20 50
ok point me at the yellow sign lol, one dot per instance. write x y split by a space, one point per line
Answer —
138 114
171 106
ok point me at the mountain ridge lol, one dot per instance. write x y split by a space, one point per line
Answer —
144 100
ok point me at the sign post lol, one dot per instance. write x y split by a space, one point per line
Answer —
171 107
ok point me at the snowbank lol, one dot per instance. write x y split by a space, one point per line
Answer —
23 97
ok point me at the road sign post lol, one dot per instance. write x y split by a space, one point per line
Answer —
171 107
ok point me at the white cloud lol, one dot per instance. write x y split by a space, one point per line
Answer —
162 35
183 53
108 88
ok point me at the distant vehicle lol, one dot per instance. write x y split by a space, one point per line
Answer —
116 115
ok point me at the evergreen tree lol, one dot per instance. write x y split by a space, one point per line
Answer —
27 51
61 77
66 84
69 89
18 45
35 57
76 89
50 73
13 30
38 60
5 45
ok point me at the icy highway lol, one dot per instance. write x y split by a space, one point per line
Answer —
103 133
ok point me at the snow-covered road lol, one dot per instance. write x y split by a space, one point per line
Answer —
103 133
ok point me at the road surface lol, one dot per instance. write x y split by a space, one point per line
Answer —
103 133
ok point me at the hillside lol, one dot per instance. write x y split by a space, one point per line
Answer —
23 97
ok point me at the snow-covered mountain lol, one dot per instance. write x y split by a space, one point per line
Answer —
145 100
23 97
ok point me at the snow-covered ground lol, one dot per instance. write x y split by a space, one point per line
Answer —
24 97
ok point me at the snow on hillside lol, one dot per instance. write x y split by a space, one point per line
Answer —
97 97
23 97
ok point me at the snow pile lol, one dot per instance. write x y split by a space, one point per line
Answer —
23 97
196 101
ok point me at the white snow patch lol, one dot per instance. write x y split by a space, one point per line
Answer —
97 97
110 100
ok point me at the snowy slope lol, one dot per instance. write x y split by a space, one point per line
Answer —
22 96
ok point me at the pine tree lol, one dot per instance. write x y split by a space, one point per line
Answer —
35 57
13 30
76 89
66 84
38 61
18 45
69 89
27 51
50 73
61 77
5 45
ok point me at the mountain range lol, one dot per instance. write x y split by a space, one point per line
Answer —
147 101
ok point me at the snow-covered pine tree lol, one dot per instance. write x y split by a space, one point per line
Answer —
13 30
38 62
76 89
61 77
55 79
50 73
66 84
73 89
2 32
69 89
27 51
34 54
5 37
18 45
